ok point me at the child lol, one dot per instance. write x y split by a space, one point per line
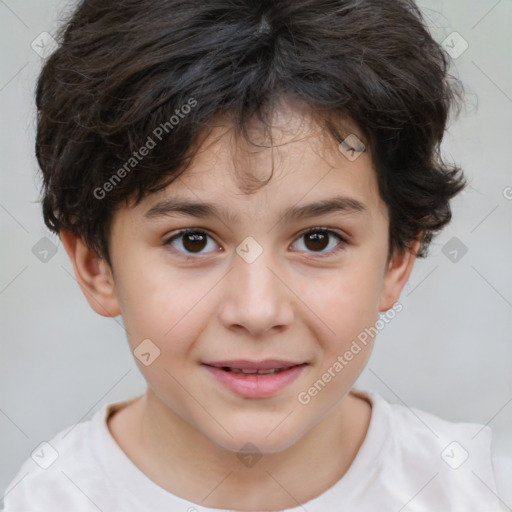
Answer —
256 131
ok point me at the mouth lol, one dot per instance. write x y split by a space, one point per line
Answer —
265 367
250 372
253 379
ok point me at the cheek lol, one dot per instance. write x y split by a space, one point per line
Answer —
167 308
346 300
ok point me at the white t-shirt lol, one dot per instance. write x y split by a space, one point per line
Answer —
410 461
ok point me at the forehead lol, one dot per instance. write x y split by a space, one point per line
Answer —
291 135
228 175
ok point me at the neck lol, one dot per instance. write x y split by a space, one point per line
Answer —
179 458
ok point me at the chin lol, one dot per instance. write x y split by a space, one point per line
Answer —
257 440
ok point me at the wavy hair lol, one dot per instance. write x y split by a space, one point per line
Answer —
123 68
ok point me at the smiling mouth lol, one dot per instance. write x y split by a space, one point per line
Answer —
254 379
252 372
270 366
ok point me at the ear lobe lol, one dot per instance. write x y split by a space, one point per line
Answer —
93 274
397 274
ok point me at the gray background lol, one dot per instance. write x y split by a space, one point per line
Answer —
448 352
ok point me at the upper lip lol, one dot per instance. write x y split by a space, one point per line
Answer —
244 364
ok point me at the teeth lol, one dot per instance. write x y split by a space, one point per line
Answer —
261 372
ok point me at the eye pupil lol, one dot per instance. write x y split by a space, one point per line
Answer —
319 240
194 241
316 241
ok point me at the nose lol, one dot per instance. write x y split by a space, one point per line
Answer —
256 297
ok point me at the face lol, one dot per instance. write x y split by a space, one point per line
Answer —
260 276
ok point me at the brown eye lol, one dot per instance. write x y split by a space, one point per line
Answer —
318 240
192 241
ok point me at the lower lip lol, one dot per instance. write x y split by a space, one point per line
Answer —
254 385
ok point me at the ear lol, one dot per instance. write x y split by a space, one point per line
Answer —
397 274
93 274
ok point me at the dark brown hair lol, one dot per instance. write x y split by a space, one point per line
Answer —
124 69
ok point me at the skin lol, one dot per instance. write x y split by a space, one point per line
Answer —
291 303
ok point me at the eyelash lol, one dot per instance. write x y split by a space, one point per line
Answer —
330 232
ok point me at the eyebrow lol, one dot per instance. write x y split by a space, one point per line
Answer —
178 206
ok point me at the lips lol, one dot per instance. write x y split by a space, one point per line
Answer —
252 372
255 379
267 366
